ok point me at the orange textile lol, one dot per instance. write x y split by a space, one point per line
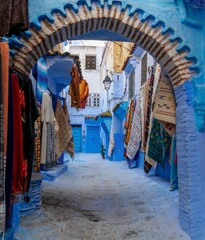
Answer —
74 87
4 48
84 91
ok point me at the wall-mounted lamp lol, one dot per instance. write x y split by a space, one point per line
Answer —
107 81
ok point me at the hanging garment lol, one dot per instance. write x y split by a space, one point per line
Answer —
159 143
74 90
37 156
70 146
136 131
18 173
50 151
84 92
4 49
47 116
30 114
112 141
2 163
13 17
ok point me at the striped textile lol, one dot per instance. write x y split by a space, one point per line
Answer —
112 141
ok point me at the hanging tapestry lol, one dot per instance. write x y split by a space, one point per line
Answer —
128 122
64 135
112 141
159 143
165 105
2 165
50 153
70 146
37 155
135 136
4 48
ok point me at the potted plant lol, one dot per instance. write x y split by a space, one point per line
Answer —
102 151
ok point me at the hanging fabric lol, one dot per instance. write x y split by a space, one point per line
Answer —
49 123
136 131
37 155
3 139
70 146
165 104
159 143
84 92
30 114
128 122
13 17
74 87
63 133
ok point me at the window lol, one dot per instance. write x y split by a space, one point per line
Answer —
93 100
90 62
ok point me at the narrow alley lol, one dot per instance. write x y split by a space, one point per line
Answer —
97 199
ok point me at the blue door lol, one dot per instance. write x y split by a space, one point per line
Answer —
77 137
93 139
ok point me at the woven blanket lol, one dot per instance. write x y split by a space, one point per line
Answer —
128 122
159 143
165 105
136 131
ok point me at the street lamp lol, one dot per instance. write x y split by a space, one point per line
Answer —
107 81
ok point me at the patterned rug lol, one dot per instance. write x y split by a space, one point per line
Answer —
165 105
136 131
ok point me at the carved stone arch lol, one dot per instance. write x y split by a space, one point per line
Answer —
135 26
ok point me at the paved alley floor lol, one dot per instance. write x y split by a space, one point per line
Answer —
98 199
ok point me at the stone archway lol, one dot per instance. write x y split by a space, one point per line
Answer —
138 27
156 38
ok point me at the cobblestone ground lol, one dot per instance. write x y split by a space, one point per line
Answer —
102 200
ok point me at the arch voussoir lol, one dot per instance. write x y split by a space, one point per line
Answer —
113 18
